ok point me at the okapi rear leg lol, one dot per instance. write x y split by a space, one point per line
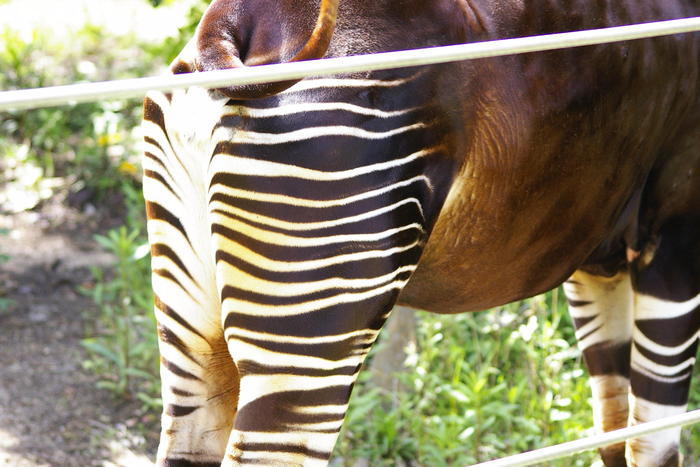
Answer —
199 400
601 308
665 338
199 379
297 369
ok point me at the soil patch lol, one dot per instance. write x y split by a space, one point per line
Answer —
51 413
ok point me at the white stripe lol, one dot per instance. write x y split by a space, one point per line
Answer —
587 328
254 387
160 100
175 165
367 335
157 193
304 226
312 203
233 276
317 441
238 136
649 307
263 262
290 458
641 361
655 377
270 457
256 309
644 341
247 351
304 107
150 164
274 238
282 438
206 324
334 425
227 163
154 131
171 353
334 83
323 409
190 286
588 311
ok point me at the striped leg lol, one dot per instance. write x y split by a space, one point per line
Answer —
199 379
306 283
294 393
199 395
601 308
299 331
665 340
291 224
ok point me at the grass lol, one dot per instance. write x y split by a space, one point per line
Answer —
479 386
483 386
89 148
122 346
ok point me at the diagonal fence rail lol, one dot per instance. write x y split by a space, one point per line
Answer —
138 87
611 437
131 88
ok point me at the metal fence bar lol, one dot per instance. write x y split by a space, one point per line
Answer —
130 88
572 447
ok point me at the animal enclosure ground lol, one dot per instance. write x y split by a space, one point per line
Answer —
50 410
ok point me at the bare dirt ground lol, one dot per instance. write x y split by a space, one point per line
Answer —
51 413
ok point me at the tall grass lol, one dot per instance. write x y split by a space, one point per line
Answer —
479 386
122 344
482 386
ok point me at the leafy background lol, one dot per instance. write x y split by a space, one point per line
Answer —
475 387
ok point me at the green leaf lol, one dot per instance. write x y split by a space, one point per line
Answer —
102 350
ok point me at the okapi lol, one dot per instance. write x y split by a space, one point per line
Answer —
286 220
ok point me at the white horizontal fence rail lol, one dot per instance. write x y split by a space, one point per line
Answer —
130 88
572 447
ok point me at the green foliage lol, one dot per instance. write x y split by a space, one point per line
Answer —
88 145
690 439
480 386
171 46
483 386
123 347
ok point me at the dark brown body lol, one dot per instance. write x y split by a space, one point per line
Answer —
570 156
552 152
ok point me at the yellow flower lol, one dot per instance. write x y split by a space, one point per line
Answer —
103 140
127 168
108 139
